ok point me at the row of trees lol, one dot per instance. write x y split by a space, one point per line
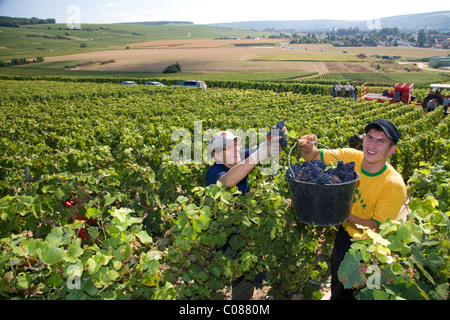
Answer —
17 22
18 61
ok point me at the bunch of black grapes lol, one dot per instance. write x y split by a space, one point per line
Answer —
279 131
318 173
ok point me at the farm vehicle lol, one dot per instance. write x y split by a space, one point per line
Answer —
402 93
439 94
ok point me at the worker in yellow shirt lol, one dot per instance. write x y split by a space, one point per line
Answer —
380 192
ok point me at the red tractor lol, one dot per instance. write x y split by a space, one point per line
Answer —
439 95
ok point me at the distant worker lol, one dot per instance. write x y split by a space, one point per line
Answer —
347 90
339 90
333 91
354 92
446 102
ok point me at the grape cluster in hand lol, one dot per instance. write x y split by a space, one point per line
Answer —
278 131
318 173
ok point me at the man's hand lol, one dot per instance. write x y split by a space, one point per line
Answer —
309 150
370 223
306 142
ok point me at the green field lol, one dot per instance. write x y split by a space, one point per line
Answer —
42 40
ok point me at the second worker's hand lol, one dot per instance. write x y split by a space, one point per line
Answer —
306 142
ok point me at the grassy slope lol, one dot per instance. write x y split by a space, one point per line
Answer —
17 43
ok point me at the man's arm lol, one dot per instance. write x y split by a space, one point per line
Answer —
243 168
237 173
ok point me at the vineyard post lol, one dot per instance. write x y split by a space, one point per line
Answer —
27 174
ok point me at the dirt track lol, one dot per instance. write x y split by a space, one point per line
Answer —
205 56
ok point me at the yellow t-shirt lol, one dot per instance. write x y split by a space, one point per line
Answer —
378 196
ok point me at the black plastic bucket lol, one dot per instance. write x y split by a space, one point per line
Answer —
322 204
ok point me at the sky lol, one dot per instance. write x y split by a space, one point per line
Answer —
212 11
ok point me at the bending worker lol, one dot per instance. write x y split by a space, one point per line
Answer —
379 195
231 168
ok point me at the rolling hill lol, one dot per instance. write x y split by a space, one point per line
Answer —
439 20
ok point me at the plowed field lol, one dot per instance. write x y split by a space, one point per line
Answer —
208 56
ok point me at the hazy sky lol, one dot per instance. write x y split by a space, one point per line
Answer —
203 11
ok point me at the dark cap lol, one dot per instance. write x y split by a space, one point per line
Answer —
389 129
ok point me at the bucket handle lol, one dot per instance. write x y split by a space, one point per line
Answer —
315 142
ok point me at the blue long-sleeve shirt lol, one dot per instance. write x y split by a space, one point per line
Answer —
217 170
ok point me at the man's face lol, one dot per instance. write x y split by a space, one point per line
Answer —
229 156
377 147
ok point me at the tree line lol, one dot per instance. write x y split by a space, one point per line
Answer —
19 61
17 22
